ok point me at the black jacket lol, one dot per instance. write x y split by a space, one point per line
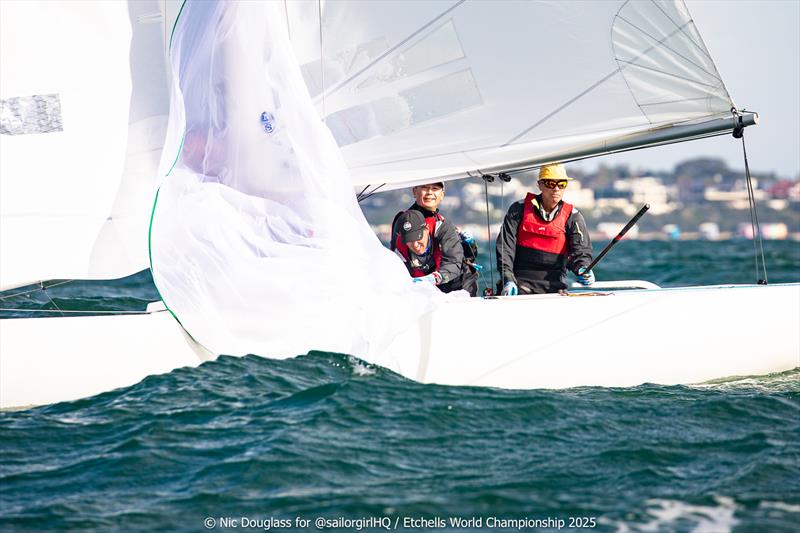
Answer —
449 242
525 267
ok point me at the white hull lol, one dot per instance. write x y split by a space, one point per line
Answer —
48 360
620 339
614 339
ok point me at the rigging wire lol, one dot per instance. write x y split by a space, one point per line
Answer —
321 60
504 177
37 289
501 273
87 312
486 179
361 196
758 240
44 290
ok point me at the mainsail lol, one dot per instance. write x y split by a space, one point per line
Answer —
414 91
83 114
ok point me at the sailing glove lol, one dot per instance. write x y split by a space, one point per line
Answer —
434 278
509 289
585 278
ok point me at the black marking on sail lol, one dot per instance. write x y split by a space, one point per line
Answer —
22 115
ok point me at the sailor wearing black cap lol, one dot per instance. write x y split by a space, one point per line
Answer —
430 248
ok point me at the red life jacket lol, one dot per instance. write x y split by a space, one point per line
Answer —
434 223
536 233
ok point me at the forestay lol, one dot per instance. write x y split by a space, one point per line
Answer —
437 89
257 242
83 113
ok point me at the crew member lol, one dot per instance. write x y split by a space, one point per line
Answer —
542 237
438 255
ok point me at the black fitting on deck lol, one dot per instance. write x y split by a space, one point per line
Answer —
738 126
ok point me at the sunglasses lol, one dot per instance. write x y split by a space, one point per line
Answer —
552 184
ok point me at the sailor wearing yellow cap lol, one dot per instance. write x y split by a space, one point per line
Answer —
542 237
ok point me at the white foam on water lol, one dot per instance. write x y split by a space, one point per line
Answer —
360 368
781 506
778 382
77 420
707 519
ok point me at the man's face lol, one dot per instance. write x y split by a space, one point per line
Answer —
428 196
418 247
554 195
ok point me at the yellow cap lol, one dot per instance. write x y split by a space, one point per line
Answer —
553 172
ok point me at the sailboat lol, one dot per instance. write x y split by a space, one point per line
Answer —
276 111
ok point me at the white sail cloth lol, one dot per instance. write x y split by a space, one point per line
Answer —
416 90
411 90
257 242
83 114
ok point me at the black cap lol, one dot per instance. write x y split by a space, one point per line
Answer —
411 224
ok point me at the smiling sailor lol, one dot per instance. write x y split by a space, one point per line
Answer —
429 244
542 237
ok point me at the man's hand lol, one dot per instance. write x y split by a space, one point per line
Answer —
434 278
585 278
509 289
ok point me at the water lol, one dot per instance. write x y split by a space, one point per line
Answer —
252 442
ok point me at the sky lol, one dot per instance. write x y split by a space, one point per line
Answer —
756 47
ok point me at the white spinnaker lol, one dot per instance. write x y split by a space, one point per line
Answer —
258 245
432 89
75 197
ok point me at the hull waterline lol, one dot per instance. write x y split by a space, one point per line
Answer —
614 339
